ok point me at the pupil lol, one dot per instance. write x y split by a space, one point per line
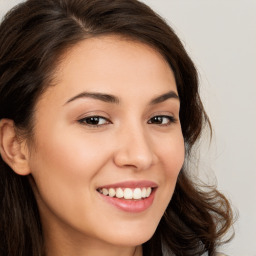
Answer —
157 119
93 120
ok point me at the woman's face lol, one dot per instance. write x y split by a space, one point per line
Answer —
109 128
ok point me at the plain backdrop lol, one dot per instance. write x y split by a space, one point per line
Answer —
220 36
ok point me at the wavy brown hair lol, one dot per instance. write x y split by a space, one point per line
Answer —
33 37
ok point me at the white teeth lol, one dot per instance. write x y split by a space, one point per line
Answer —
143 192
111 192
148 192
105 191
137 193
127 193
119 193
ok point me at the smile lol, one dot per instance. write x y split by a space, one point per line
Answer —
127 193
129 196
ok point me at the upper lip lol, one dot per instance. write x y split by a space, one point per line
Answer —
131 184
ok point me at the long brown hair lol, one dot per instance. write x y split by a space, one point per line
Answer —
33 37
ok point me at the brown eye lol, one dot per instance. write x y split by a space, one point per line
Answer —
162 120
94 120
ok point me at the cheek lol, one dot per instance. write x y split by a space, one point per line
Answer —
64 165
172 154
63 168
67 154
172 158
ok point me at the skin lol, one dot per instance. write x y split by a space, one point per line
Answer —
70 159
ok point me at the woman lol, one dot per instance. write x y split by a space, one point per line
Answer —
99 109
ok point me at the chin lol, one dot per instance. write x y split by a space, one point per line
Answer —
131 237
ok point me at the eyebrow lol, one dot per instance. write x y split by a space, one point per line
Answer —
164 97
113 99
97 96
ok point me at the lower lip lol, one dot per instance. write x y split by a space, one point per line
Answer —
133 206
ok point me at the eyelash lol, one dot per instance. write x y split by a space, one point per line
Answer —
93 121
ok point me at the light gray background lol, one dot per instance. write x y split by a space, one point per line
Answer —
220 36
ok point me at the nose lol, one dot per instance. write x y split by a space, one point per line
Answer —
134 149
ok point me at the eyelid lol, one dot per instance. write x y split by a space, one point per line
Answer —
98 113
164 114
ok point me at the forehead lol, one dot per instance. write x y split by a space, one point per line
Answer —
113 65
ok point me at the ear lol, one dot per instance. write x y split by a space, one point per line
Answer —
13 151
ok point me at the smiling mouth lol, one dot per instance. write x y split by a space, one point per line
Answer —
127 193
